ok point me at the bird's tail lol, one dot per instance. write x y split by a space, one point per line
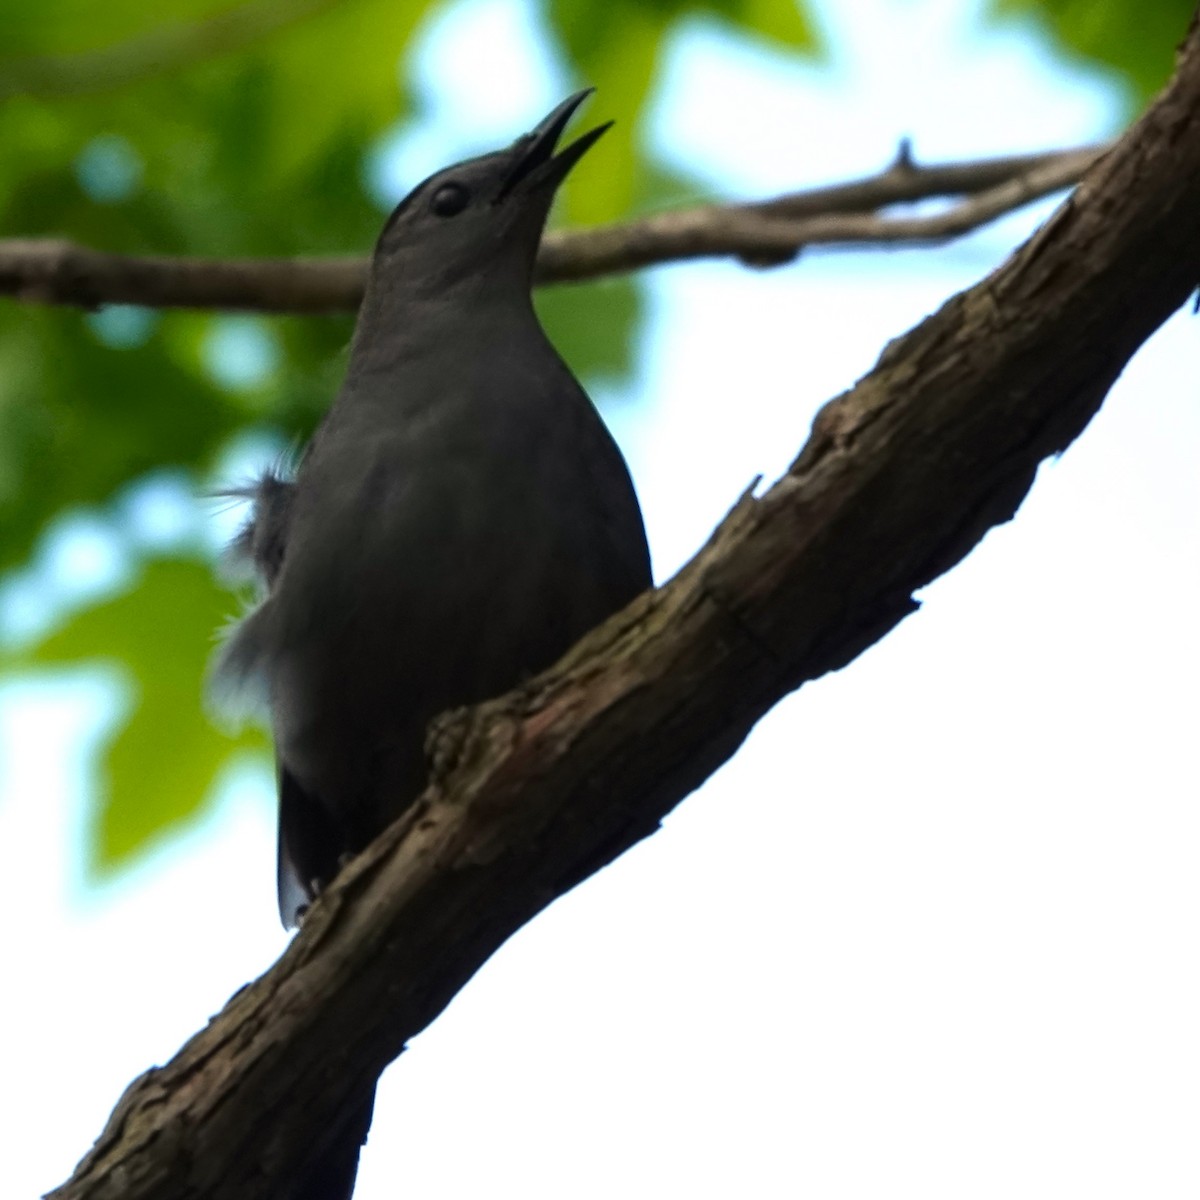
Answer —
332 1176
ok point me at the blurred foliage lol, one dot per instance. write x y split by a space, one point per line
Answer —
160 766
1133 37
215 128
212 127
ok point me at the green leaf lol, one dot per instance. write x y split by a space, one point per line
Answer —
592 325
256 150
63 27
1135 37
161 764
78 420
782 21
616 46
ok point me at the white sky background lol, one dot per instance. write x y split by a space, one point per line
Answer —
933 932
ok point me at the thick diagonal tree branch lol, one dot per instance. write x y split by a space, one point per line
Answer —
532 793
769 232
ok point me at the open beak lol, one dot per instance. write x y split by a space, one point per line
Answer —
536 160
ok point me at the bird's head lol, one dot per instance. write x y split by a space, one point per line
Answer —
477 225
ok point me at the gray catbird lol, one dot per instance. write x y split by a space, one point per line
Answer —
459 519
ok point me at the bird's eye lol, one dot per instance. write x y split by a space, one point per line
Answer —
450 199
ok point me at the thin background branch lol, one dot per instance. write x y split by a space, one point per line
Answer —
765 233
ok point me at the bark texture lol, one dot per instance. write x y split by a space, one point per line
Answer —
531 793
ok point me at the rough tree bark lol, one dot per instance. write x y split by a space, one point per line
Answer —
533 792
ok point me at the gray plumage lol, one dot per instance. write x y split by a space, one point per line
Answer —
260 542
460 518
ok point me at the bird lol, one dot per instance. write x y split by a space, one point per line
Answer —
458 520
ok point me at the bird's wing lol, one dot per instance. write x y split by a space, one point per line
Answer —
290 887
310 847
238 683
